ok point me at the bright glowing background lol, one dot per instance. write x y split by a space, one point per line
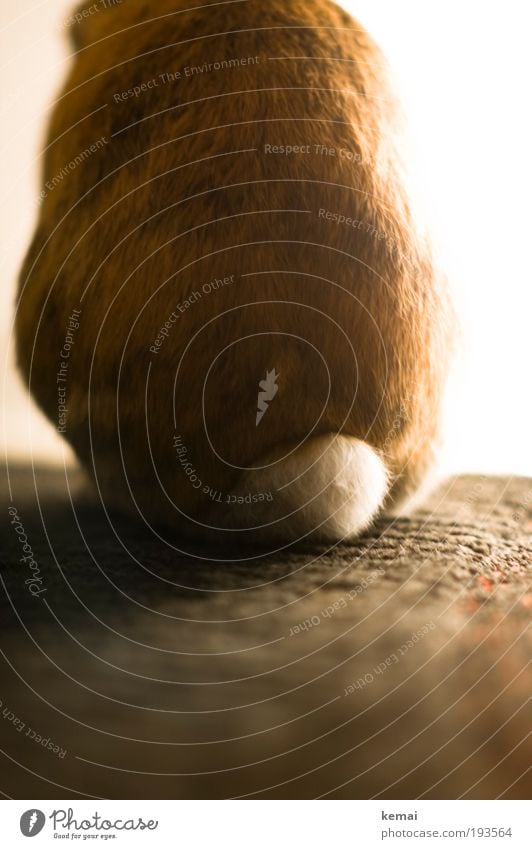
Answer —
463 70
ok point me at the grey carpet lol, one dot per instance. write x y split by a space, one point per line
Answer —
397 667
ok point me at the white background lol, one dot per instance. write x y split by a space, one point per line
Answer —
283 824
464 71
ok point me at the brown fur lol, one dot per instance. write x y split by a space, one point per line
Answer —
129 233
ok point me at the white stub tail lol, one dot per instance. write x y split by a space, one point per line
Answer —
326 489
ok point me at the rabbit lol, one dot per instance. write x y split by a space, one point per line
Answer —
228 308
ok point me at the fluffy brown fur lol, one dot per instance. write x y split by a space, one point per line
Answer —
182 191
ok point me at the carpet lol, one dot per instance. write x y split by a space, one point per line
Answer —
393 668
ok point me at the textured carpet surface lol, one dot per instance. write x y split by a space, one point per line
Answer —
134 667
